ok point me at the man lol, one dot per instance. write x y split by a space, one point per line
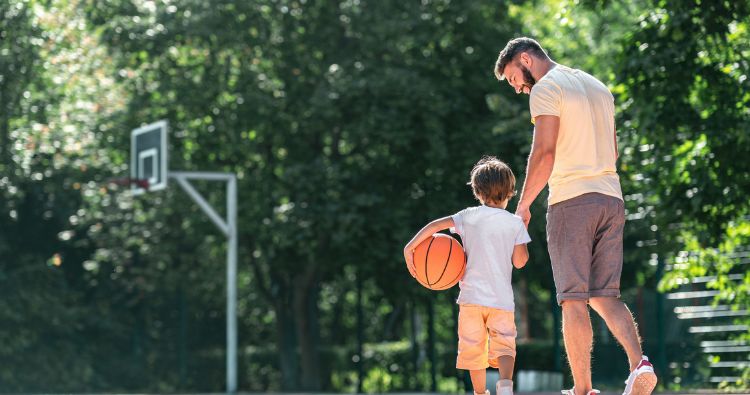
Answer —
574 149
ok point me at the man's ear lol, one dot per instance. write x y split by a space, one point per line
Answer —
526 59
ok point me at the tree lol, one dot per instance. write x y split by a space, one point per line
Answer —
692 135
49 106
318 108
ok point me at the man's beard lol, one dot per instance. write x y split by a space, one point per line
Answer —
528 79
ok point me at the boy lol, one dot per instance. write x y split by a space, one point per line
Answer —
495 241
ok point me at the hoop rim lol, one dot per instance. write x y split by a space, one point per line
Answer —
141 183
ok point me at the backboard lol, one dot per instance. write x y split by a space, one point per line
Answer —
148 157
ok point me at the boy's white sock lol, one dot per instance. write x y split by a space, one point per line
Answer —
505 387
486 392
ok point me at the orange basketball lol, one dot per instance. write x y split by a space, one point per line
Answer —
439 262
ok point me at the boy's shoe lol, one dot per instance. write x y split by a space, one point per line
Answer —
642 379
486 392
572 391
504 387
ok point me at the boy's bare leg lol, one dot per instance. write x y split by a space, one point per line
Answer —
479 380
622 325
505 367
578 337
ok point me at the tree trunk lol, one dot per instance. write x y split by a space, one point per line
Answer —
415 328
306 311
360 337
522 296
5 162
182 338
308 335
431 343
393 319
337 335
556 332
287 342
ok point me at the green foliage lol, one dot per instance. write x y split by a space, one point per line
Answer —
50 106
697 127
350 125
684 76
346 133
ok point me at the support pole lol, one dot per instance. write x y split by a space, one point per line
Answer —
228 227
232 286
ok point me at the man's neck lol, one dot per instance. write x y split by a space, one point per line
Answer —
543 67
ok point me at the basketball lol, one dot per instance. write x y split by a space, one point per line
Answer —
439 262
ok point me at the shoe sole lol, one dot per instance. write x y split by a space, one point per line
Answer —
644 384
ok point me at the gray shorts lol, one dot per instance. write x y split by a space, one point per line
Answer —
584 239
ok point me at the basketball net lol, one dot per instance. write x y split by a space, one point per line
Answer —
128 181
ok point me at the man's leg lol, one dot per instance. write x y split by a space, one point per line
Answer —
622 325
642 379
579 338
605 281
571 233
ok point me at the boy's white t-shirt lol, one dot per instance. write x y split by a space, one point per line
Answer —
489 235
585 153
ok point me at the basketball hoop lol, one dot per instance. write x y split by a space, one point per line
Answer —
149 172
148 157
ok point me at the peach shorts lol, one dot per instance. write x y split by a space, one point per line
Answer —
474 325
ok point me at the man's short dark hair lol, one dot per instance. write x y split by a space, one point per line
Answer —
515 47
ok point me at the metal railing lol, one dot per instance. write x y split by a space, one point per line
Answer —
714 325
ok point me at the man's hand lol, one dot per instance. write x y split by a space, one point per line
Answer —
409 257
525 213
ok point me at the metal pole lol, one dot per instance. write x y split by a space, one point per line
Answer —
232 286
204 205
229 228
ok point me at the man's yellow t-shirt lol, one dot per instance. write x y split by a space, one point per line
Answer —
585 154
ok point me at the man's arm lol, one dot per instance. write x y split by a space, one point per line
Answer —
617 152
541 161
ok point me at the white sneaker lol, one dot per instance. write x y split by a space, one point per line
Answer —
486 392
572 391
642 379
504 387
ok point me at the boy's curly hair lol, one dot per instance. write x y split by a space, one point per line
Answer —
492 180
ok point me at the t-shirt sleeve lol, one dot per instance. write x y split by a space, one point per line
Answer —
458 222
545 99
522 236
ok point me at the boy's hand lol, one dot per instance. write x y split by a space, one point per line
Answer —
409 257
